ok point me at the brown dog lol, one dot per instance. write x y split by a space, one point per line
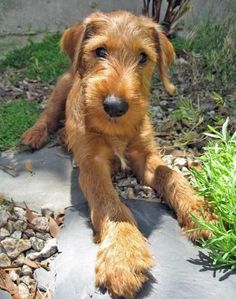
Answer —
106 94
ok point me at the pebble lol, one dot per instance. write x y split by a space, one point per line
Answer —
46 212
27 280
130 193
41 223
29 232
4 215
49 249
168 159
10 226
20 225
20 213
37 244
4 260
14 247
16 235
23 291
43 236
4 233
26 270
13 275
180 162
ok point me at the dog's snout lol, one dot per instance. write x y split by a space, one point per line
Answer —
115 106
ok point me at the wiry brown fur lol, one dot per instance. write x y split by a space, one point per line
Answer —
123 259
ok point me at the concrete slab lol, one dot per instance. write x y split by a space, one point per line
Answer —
48 184
182 269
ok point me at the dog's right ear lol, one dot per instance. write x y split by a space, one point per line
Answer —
71 38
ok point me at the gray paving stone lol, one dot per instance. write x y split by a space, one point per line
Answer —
182 269
48 185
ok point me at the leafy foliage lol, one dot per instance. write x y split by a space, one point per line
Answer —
215 46
217 183
42 60
15 118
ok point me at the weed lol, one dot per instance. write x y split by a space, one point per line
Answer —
215 45
42 60
186 112
217 183
15 118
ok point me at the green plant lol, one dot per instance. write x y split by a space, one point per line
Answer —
186 112
215 46
42 60
15 118
217 183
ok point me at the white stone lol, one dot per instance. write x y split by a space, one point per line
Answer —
23 291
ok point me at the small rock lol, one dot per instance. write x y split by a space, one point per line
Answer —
20 225
37 244
124 183
26 270
147 190
185 171
17 234
20 213
176 168
29 232
23 291
180 162
14 247
4 233
130 193
45 236
13 275
49 249
4 260
168 159
46 212
18 260
4 215
41 223
163 103
211 113
28 281
10 226
181 60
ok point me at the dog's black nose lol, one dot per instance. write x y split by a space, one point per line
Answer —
115 106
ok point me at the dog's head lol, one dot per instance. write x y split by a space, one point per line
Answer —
114 56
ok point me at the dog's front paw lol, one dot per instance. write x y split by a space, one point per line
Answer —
200 210
123 260
35 137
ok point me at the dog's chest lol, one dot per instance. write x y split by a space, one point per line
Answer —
119 148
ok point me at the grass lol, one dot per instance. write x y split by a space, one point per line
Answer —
43 60
215 48
15 118
217 183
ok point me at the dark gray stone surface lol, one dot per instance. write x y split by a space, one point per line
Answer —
182 270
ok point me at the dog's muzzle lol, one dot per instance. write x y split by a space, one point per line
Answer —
115 106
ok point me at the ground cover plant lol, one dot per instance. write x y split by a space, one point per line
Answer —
15 118
217 183
42 60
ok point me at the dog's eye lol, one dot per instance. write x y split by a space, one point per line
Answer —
142 58
101 52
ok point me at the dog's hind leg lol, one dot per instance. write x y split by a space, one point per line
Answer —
37 136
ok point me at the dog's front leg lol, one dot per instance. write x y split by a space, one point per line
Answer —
123 258
48 120
175 189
